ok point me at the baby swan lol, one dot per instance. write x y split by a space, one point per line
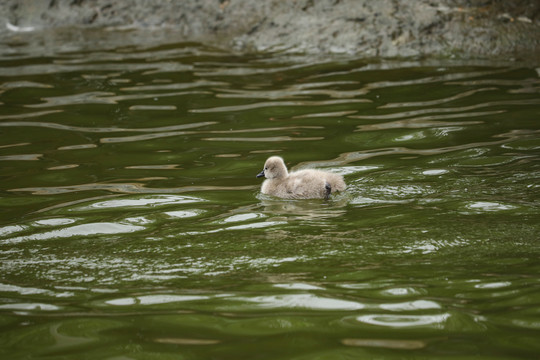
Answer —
303 184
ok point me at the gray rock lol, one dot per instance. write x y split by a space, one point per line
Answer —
385 28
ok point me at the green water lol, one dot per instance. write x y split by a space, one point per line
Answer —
132 225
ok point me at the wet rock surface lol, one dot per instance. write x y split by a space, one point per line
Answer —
386 28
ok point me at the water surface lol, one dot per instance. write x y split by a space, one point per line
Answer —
132 225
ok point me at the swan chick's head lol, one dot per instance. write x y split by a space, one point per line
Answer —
274 168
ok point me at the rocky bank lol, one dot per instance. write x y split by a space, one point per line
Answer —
367 28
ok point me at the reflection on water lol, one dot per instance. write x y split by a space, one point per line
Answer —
132 224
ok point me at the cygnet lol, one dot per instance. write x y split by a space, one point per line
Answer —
303 184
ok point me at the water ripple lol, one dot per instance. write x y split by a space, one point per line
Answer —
100 97
434 79
40 69
21 157
102 129
29 115
277 104
144 201
386 343
429 121
173 86
294 92
351 157
124 188
299 301
437 101
104 228
446 110
264 139
435 321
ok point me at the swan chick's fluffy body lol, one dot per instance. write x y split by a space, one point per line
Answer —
302 184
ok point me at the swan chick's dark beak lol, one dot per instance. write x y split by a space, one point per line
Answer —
261 174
